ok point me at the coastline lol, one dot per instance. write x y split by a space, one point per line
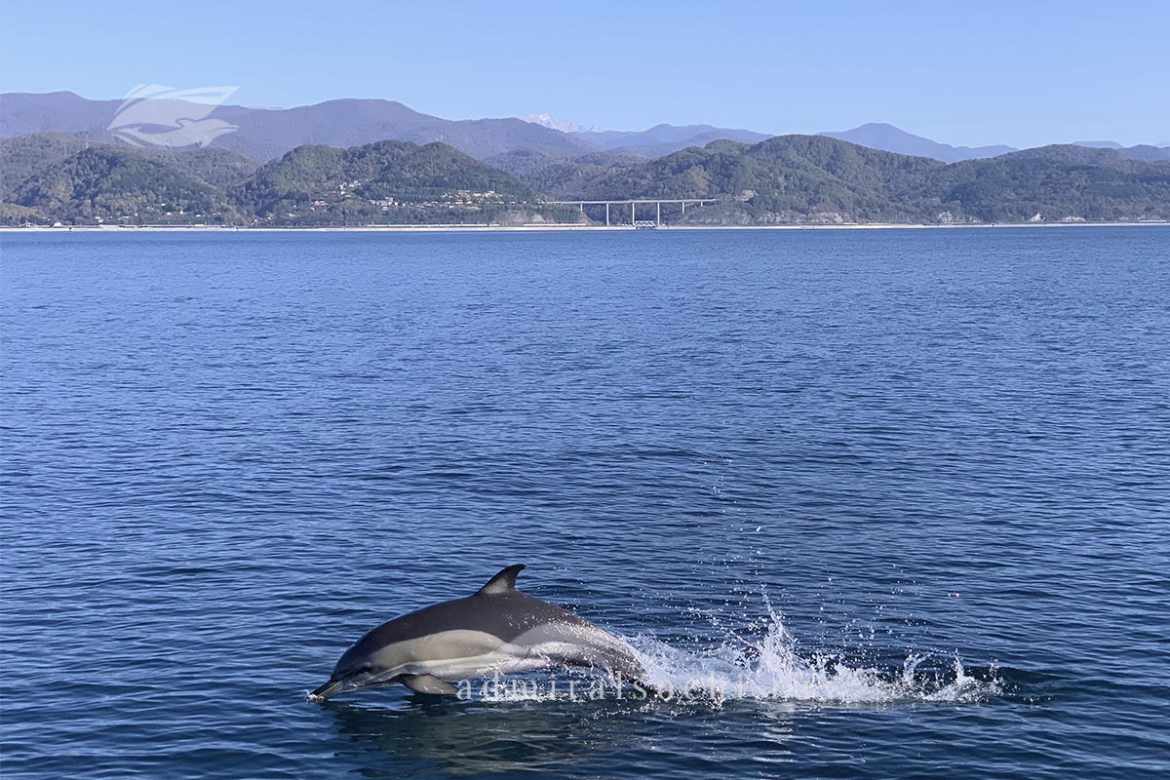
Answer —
543 228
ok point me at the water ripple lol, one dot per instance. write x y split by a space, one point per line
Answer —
942 455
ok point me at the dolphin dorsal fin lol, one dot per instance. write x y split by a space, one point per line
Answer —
504 582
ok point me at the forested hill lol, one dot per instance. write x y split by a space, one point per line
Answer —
324 185
783 179
799 179
50 178
795 179
24 156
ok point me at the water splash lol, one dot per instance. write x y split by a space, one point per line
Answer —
767 668
771 668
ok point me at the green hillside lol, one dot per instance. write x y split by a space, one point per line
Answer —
1056 182
389 181
795 179
105 184
792 179
24 156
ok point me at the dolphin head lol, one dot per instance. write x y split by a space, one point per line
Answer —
365 665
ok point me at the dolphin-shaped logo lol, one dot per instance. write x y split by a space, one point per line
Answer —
497 630
153 115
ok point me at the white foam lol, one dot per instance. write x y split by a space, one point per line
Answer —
770 668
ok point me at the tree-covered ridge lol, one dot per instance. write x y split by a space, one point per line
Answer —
103 184
1054 182
792 179
381 182
562 177
24 156
784 179
69 177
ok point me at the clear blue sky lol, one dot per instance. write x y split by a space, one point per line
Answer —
1021 73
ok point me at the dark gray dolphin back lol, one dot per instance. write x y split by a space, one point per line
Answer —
497 609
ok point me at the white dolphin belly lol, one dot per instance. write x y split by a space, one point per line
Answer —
452 656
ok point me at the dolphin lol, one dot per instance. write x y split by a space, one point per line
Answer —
497 630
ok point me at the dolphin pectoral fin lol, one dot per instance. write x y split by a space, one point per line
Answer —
425 683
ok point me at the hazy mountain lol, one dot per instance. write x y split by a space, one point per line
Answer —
664 139
24 113
1098 144
1143 152
886 137
892 139
1146 153
265 134
345 123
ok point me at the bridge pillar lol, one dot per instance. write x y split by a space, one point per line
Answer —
607 214
658 214
633 216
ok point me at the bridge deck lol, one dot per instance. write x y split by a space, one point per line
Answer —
627 201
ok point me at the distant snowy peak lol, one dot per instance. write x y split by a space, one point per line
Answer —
549 121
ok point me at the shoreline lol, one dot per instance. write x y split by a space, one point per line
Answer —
543 228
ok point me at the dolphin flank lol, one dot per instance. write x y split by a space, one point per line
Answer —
498 629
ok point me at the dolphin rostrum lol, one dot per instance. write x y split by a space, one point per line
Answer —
498 629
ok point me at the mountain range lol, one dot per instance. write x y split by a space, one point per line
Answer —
879 135
792 179
664 139
265 134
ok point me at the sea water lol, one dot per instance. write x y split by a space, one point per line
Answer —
867 503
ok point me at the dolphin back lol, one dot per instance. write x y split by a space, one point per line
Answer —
496 619
497 609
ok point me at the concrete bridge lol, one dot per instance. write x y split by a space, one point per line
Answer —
633 204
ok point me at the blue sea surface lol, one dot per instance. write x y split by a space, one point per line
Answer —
908 490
